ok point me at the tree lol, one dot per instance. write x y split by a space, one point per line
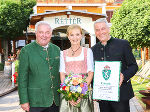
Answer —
14 18
132 22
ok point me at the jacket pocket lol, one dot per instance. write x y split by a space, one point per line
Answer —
57 59
35 96
47 94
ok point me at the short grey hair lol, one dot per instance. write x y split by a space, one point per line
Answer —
101 20
42 23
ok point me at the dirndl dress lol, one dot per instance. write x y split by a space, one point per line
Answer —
86 105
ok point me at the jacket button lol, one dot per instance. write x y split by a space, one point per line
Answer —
52 87
50 68
52 77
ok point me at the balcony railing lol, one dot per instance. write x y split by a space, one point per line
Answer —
71 1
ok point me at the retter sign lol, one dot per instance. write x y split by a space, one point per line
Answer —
63 20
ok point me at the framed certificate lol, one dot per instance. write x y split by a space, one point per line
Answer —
106 80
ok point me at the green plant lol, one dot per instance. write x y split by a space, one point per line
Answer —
137 54
1 66
137 87
131 22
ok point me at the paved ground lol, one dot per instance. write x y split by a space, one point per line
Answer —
135 106
10 103
5 84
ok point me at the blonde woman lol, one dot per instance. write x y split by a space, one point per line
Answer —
76 59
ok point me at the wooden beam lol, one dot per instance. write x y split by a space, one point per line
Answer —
14 46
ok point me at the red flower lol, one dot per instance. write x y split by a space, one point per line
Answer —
64 88
14 80
82 76
16 74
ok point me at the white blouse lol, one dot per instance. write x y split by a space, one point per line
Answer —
90 63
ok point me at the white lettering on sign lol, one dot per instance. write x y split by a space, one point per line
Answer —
67 20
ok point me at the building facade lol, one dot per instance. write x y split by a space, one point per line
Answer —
62 13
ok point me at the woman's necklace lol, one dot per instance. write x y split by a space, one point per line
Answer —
73 52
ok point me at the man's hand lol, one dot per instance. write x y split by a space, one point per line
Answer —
121 79
25 107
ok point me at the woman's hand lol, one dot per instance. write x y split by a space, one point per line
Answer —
73 103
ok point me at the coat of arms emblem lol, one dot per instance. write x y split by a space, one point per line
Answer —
106 72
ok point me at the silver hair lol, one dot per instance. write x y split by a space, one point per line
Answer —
42 23
101 20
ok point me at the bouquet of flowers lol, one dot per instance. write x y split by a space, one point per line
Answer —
74 86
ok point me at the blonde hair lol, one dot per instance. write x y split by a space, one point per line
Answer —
74 26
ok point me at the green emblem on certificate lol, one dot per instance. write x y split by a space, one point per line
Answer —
106 72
